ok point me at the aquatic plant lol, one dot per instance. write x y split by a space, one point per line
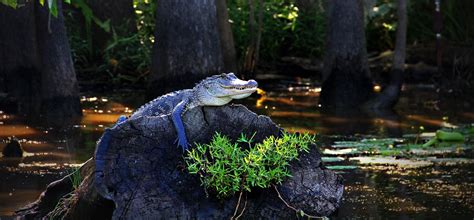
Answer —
76 178
442 142
445 136
227 167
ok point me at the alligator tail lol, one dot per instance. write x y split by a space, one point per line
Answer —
101 150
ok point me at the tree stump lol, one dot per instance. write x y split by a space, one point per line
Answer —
145 174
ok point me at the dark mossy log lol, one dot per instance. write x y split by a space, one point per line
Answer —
145 175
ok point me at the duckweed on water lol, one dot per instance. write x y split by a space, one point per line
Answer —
445 147
226 167
441 142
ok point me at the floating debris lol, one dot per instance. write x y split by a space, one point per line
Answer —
438 151
342 167
13 148
332 159
348 151
369 143
392 161
451 161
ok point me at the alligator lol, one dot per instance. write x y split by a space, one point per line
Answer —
215 90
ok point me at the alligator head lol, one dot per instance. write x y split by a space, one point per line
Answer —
220 89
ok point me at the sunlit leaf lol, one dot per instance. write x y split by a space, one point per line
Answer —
11 3
53 7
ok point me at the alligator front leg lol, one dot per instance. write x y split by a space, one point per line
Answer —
178 111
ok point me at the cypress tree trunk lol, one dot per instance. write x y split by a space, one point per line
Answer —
252 52
226 37
19 64
187 46
37 63
389 96
346 74
59 89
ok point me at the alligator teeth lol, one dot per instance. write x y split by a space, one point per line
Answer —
238 87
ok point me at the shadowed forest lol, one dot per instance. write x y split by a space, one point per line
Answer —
385 85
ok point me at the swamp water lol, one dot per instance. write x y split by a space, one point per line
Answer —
386 175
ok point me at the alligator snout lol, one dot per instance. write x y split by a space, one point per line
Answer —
252 83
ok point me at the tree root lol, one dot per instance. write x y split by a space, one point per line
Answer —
238 205
298 211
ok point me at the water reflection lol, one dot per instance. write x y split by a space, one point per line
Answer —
51 152
430 193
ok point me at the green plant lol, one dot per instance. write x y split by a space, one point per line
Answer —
228 167
76 178
286 31
381 23
125 58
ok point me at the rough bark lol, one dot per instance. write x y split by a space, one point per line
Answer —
255 29
389 96
36 62
121 15
59 89
346 75
19 64
146 178
187 46
226 37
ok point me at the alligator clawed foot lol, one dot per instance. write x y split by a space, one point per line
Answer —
183 143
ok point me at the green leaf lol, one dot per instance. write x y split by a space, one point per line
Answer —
11 3
53 7
301 213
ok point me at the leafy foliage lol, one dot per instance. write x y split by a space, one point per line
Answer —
381 26
11 3
382 23
457 21
125 58
284 31
226 167
132 53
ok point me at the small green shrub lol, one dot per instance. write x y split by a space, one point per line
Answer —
226 168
